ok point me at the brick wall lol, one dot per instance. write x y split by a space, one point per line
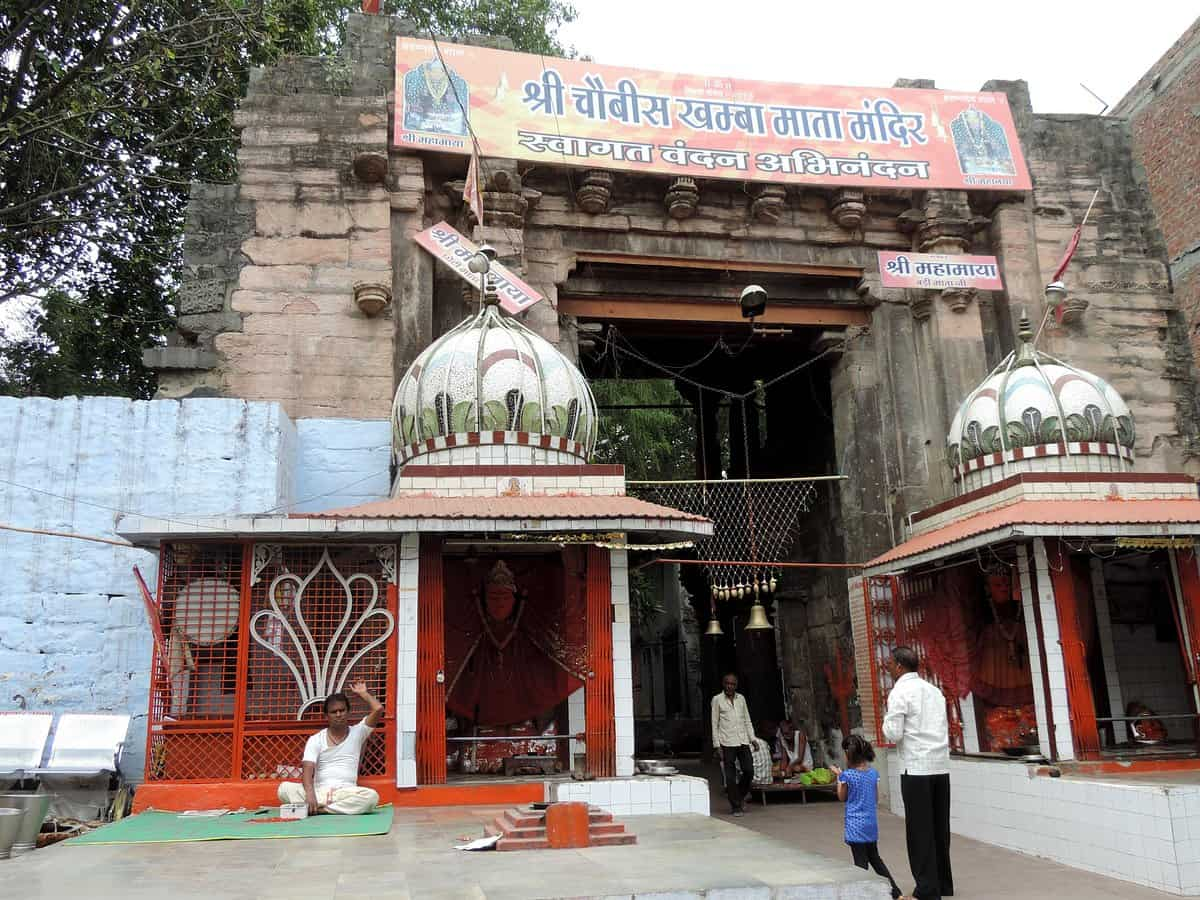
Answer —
1163 110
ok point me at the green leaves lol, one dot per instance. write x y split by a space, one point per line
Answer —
108 113
652 443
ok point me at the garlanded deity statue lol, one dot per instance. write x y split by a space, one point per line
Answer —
436 99
981 144
512 651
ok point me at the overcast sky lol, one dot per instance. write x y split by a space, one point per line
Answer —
1052 44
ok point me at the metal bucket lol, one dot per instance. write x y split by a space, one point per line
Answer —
10 822
35 807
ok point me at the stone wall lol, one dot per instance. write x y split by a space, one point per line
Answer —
73 631
1132 333
1163 112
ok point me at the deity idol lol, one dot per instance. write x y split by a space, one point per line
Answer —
430 101
981 144
511 654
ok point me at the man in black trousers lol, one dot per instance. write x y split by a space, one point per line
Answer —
916 722
732 735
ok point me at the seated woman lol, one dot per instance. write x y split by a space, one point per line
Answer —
795 755
1144 730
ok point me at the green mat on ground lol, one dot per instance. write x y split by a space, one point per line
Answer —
153 827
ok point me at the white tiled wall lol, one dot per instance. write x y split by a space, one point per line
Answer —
406 680
643 796
622 662
1144 833
1151 672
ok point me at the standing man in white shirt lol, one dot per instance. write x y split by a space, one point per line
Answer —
732 735
331 758
916 723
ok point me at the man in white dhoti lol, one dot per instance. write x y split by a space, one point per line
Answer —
331 759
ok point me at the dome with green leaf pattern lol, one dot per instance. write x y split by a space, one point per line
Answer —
492 375
1033 407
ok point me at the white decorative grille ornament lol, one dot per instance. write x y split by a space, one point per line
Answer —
318 674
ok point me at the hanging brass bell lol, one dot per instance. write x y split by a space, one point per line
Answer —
773 583
758 620
714 628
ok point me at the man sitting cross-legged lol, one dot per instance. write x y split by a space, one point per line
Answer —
331 759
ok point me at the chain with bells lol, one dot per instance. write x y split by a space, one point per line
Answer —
758 620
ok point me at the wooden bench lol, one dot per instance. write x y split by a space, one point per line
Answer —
783 787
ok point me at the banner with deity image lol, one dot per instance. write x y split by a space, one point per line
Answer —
458 99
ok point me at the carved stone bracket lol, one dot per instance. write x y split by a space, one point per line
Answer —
504 200
921 305
1073 310
831 344
770 203
372 298
958 299
595 191
944 235
371 166
683 197
848 207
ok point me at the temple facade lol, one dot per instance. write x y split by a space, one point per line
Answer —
305 287
356 466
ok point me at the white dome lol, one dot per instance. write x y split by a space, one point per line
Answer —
491 375
1033 408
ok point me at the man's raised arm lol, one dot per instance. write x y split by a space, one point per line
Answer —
372 718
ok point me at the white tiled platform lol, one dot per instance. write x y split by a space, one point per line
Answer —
638 796
1141 829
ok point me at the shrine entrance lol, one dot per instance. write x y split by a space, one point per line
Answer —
750 401
516 661
516 654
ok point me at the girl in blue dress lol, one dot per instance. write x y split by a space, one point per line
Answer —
858 786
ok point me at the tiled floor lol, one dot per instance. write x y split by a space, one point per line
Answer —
981 871
676 858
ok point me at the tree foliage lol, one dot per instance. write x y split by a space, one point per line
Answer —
652 442
108 111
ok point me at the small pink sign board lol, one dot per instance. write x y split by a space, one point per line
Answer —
938 270
456 251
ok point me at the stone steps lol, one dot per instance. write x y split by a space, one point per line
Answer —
524 828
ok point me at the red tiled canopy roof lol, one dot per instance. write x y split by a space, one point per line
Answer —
604 506
1049 512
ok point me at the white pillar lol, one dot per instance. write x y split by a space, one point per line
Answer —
1055 668
622 662
1116 703
970 726
406 661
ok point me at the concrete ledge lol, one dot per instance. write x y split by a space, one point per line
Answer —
183 358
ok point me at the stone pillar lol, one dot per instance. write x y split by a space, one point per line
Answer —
413 273
952 325
863 450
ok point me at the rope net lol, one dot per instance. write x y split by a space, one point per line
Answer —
754 525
